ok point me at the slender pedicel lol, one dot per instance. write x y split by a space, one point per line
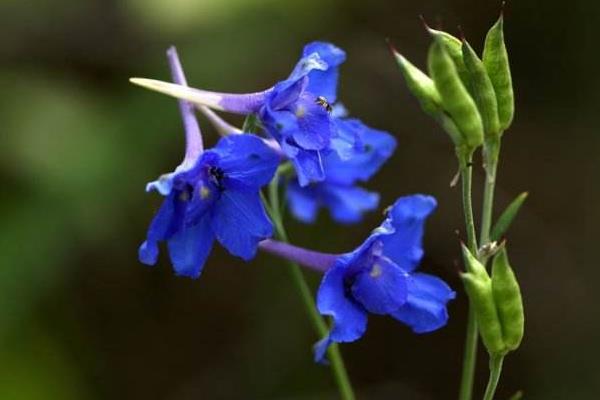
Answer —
193 135
235 103
223 127
314 260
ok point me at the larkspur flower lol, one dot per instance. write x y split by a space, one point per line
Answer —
212 194
379 277
339 191
295 112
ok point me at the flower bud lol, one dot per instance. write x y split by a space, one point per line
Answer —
507 296
478 286
481 88
456 100
495 59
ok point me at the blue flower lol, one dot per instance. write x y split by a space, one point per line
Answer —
216 198
297 111
338 191
379 277
212 194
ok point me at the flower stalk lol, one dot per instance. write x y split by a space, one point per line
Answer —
335 357
495 371
472 335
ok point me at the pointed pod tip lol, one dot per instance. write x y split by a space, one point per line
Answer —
461 33
391 46
425 24
465 250
466 45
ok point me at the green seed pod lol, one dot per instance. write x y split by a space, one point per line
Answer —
495 59
421 86
482 90
454 48
509 303
456 100
478 286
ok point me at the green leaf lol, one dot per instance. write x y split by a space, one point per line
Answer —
251 124
507 217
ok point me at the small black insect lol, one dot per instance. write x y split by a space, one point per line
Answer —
322 101
217 175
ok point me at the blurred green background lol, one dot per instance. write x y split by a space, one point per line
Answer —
81 318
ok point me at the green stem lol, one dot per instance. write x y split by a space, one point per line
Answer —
470 352
491 154
495 371
466 172
335 356
490 161
469 357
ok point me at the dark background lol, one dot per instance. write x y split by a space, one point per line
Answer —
81 318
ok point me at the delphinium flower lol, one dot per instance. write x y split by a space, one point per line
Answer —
379 277
298 112
212 194
339 191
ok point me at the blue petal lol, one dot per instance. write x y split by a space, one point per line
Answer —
239 221
349 318
163 225
347 204
314 125
372 148
330 53
247 160
425 310
320 349
344 149
308 64
190 247
303 202
381 288
308 165
324 83
163 185
407 217
285 94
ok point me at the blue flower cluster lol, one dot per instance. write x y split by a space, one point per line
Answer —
215 194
